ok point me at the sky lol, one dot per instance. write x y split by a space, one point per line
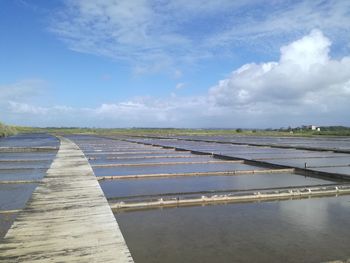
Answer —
181 63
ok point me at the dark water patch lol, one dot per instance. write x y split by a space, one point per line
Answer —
6 221
15 196
29 165
29 140
13 170
10 175
309 230
28 156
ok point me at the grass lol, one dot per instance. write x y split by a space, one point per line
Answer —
6 130
325 131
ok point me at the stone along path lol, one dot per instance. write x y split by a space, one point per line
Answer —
67 219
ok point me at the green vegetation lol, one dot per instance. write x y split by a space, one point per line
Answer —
6 130
299 131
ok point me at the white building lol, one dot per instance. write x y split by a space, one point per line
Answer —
314 128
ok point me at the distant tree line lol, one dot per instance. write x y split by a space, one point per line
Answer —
288 131
323 130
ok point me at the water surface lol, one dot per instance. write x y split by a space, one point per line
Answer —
6 221
188 168
308 230
15 196
123 188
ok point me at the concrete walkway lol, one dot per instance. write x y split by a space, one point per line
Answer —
67 218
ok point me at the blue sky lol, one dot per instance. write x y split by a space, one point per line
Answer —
193 64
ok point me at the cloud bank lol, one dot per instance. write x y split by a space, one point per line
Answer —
306 85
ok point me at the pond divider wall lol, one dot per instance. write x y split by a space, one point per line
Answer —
162 163
250 144
296 193
300 171
167 175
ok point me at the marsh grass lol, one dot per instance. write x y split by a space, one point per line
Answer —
297 132
6 130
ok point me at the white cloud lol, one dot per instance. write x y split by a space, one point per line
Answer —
304 75
180 85
128 30
177 73
272 23
24 108
309 51
21 90
143 111
162 35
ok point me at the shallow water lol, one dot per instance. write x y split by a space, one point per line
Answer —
12 164
28 156
15 196
314 161
326 143
128 151
6 221
323 142
22 165
29 140
308 230
151 160
122 188
188 168
340 170
13 175
105 155
282 156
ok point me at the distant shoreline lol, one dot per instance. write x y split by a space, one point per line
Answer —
337 131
